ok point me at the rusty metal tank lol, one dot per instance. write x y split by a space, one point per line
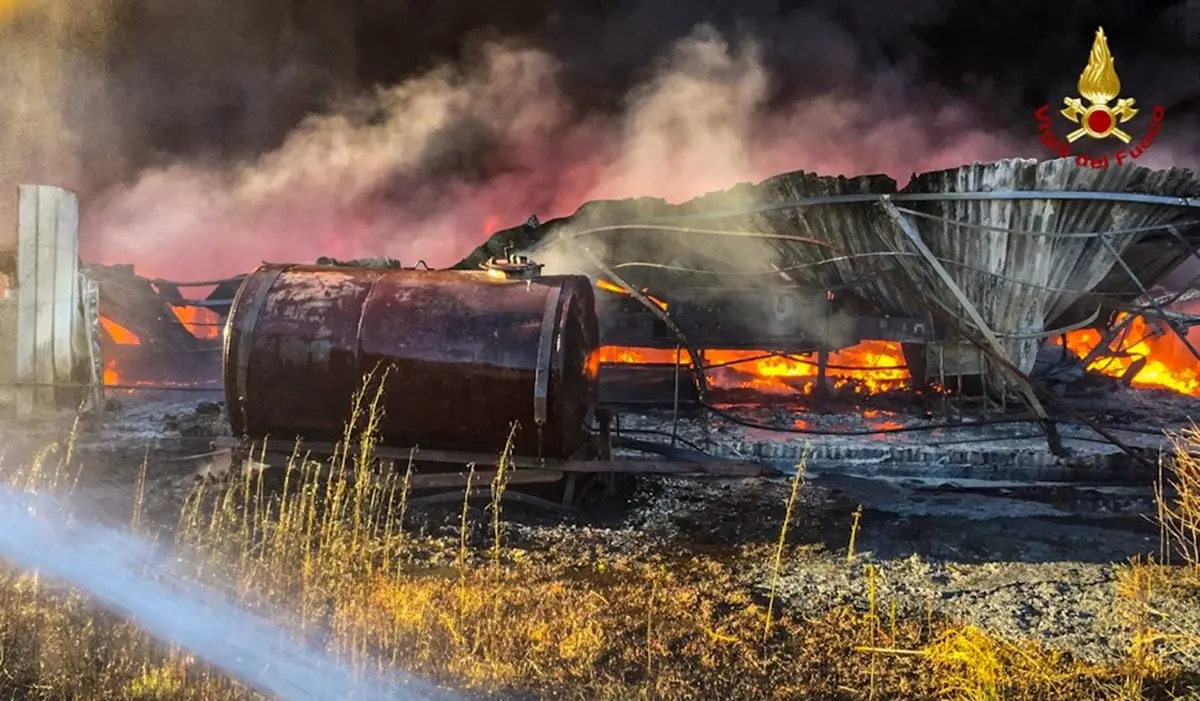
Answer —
466 354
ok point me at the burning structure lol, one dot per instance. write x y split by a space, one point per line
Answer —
150 334
965 274
972 296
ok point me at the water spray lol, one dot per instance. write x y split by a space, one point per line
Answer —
117 569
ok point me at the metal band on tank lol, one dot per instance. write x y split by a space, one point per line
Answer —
362 317
541 376
244 343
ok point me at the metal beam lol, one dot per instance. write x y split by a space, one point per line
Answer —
1182 334
914 236
1133 197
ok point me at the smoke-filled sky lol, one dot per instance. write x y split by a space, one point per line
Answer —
207 137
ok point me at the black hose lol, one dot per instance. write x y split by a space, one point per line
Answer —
666 434
662 449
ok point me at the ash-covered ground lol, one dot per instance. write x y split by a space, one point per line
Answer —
988 545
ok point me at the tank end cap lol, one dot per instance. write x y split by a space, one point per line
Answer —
512 266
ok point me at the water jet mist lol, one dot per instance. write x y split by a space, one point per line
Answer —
117 569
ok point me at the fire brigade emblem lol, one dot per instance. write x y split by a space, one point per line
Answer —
1098 85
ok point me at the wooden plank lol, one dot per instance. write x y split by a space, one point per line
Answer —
67 310
641 385
434 480
27 261
485 493
386 453
716 466
448 480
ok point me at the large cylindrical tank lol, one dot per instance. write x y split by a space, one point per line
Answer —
465 355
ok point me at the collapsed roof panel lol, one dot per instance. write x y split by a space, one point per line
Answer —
737 237
130 301
822 246
1023 264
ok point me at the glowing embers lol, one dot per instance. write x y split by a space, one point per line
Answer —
617 289
867 368
1164 361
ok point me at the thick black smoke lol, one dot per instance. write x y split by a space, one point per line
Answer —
206 136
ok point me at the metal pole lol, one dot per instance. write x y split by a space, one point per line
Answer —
942 388
822 392
675 408
707 413
988 336
958 367
983 380
1106 340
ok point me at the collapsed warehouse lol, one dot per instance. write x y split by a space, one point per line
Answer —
993 318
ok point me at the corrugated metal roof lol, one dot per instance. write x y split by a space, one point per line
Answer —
1035 259
1024 263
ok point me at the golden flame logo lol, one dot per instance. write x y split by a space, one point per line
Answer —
1099 84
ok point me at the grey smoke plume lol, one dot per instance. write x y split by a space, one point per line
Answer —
178 124
377 177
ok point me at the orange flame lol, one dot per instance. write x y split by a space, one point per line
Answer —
1169 364
111 376
204 324
119 334
871 366
876 366
643 356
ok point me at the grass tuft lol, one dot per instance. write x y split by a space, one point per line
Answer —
328 554
1179 513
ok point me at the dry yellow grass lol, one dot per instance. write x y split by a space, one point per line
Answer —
331 556
1179 514
1158 636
